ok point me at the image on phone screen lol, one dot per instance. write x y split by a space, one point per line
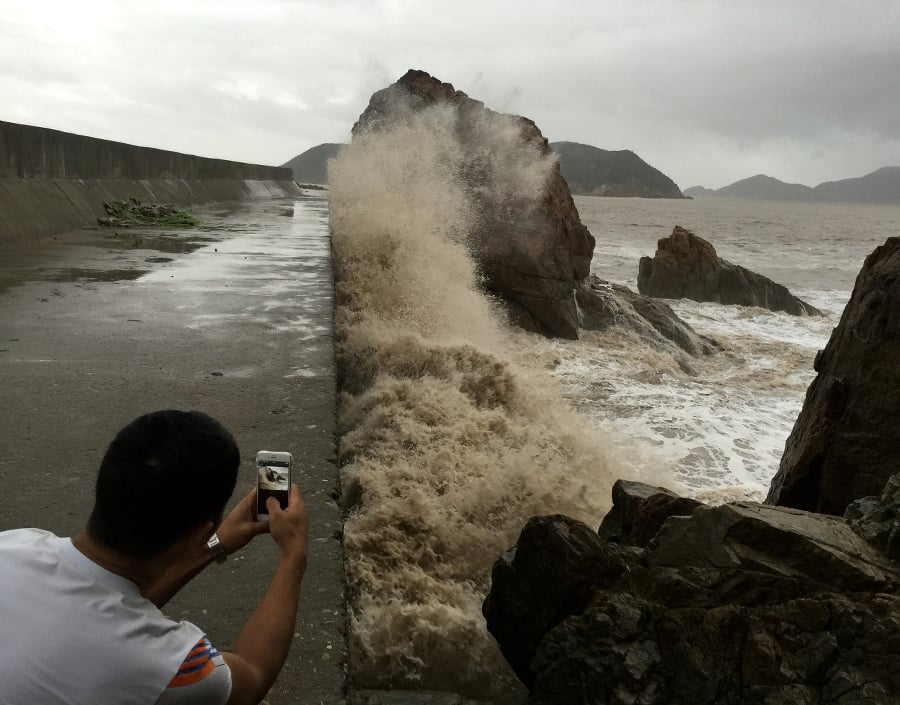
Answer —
274 480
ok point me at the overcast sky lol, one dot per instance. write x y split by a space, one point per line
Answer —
707 91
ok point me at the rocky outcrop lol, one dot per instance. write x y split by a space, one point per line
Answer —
845 444
877 519
686 266
603 304
640 510
680 603
531 251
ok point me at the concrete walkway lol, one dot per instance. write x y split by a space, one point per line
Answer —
234 319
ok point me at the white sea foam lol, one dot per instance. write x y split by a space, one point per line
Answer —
751 328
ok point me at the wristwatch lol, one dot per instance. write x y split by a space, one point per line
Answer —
216 548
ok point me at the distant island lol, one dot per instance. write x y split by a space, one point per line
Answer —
311 166
589 171
881 186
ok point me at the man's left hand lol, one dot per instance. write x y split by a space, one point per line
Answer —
240 525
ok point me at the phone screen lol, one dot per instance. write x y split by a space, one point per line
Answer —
273 480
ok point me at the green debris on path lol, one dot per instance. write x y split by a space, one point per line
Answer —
135 212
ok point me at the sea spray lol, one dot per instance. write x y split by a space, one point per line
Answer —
721 431
447 444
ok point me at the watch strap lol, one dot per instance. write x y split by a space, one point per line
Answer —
216 549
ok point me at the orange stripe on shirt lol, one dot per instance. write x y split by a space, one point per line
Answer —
192 677
196 665
198 649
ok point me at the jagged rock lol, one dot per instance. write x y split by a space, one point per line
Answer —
523 605
639 511
686 266
531 252
877 519
602 304
798 545
845 444
742 604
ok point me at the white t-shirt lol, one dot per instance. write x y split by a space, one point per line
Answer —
73 633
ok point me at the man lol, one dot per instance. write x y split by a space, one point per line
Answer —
79 618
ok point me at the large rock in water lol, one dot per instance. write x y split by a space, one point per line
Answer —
846 442
532 252
743 604
603 304
686 266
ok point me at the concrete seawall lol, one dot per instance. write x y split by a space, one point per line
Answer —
234 318
52 181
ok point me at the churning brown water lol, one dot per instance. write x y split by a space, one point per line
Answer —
453 433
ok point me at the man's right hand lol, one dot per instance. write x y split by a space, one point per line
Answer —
289 527
263 643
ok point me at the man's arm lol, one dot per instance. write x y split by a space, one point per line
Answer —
234 533
262 646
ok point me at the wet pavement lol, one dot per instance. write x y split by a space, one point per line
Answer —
233 318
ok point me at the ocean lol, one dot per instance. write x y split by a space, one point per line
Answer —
723 430
456 429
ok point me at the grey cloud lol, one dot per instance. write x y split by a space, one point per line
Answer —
708 91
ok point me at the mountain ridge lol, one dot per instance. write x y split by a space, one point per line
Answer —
879 186
588 170
592 171
311 166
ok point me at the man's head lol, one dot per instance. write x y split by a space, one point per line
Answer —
164 474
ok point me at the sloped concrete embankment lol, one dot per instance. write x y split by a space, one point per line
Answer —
52 181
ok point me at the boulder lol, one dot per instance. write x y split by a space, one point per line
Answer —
639 511
602 304
877 519
845 444
740 604
686 266
566 562
531 250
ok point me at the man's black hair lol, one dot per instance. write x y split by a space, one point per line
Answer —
164 474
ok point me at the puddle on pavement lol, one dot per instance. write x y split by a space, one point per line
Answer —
76 274
227 225
161 242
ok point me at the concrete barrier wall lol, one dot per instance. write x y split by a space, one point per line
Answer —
32 208
52 181
29 152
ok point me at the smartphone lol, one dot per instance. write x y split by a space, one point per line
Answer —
273 479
